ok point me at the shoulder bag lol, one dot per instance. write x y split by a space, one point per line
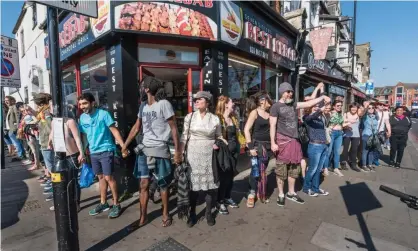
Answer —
381 135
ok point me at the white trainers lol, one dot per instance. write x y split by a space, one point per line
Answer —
338 172
326 172
52 208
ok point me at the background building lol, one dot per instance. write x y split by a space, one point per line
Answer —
406 94
30 34
364 53
384 94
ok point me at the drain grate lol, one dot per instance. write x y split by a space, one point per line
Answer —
168 244
30 206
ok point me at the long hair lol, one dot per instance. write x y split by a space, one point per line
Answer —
220 105
253 101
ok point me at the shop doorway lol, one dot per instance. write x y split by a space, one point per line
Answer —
180 85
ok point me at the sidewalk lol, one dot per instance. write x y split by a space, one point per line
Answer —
355 216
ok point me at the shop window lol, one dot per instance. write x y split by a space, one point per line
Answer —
93 76
155 53
244 80
69 92
272 80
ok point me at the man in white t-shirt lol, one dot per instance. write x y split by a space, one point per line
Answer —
383 124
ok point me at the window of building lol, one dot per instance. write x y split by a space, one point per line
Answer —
244 80
399 90
93 76
26 94
168 54
22 42
69 91
290 5
272 80
34 16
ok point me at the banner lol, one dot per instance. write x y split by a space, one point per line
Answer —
320 41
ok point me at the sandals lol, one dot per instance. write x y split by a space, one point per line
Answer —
167 222
143 224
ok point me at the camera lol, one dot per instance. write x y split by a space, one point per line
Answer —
138 149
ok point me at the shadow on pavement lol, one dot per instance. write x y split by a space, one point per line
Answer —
360 199
14 194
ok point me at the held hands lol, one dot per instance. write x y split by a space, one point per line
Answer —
321 86
253 152
178 158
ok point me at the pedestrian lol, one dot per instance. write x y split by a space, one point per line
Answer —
351 138
201 130
317 150
369 126
336 124
231 133
384 130
284 140
158 121
99 127
326 114
387 110
74 154
12 123
400 125
44 122
30 131
257 136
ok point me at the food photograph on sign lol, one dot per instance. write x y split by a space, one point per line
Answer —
231 22
100 24
163 17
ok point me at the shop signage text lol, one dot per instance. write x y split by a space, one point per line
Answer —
266 40
314 64
201 3
73 28
337 90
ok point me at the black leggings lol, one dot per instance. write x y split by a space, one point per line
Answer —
210 197
350 153
397 147
226 182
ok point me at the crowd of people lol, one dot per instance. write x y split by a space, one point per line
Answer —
206 151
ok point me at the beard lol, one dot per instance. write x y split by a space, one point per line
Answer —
288 101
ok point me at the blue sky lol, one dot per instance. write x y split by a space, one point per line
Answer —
391 27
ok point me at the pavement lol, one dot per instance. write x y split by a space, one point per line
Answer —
355 216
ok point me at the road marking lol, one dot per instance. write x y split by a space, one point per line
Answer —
413 121
335 238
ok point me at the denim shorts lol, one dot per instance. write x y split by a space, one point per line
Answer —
142 171
103 163
49 159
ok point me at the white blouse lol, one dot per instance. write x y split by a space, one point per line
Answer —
206 128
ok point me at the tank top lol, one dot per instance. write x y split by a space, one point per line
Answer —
261 130
354 132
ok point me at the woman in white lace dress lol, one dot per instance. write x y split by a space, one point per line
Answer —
201 129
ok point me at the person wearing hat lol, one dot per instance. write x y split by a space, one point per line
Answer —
400 125
284 136
157 120
201 130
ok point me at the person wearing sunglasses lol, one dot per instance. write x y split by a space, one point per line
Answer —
284 137
100 129
369 124
400 125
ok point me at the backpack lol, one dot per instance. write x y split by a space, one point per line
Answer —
303 133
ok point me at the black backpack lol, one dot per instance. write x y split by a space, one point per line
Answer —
303 133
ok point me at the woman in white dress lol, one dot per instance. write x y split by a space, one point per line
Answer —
201 129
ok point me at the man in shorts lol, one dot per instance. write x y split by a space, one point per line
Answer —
284 136
99 127
156 116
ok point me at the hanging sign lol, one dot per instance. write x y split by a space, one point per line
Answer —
83 7
320 41
10 71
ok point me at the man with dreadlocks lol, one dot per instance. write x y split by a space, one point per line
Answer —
156 116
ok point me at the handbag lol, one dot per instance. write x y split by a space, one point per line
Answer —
373 141
303 133
381 135
327 130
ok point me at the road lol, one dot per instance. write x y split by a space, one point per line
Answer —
414 130
356 216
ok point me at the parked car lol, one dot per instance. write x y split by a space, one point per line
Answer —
414 113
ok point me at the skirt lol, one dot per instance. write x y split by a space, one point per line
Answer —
199 156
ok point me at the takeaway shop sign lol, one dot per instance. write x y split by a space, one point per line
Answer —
73 33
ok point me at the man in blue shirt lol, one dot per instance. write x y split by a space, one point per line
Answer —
99 127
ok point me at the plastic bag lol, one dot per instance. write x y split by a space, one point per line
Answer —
87 176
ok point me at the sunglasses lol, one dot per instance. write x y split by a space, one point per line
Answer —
289 91
371 108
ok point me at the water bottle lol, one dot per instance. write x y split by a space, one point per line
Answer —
255 170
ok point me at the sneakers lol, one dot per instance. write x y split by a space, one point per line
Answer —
52 208
49 197
322 192
250 200
338 172
99 209
48 187
391 163
295 198
343 166
114 211
231 203
365 169
280 201
311 193
372 168
48 192
41 178
398 165
223 210
355 168
45 183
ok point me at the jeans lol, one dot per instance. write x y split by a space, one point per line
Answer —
317 153
7 139
16 143
398 144
49 159
367 155
334 149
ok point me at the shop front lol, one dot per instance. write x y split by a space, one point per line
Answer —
358 95
334 78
